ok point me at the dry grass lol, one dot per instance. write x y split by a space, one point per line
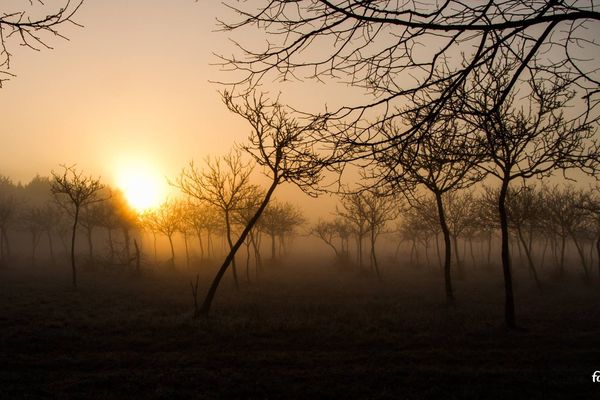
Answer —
299 333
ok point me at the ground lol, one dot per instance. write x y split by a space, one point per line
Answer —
296 335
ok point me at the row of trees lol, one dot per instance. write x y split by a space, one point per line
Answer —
71 203
500 89
541 220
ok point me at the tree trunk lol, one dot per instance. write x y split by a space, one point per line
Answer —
489 248
460 273
187 251
89 230
172 251
74 271
205 309
509 302
563 239
230 242
199 235
127 240
529 257
111 246
373 255
598 252
50 246
272 234
137 256
447 248
579 248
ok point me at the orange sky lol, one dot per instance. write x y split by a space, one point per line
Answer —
130 87
132 84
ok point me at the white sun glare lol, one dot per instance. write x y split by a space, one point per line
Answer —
142 188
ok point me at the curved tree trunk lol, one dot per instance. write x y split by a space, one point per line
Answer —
205 309
73 235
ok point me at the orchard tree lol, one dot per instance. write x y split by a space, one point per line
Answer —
74 192
282 146
224 184
279 219
166 219
441 159
524 138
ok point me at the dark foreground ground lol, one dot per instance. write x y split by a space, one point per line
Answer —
294 336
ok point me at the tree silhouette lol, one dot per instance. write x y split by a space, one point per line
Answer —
439 158
165 219
31 28
353 210
279 219
74 191
396 51
524 139
224 184
280 145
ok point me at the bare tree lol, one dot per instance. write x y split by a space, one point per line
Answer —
327 232
524 206
278 143
31 27
398 50
224 184
380 208
353 210
524 139
75 191
279 219
567 209
166 219
440 158
204 218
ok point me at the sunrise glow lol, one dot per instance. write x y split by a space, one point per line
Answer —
143 188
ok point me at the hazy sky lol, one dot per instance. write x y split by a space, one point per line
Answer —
132 84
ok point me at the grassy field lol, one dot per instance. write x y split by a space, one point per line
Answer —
299 333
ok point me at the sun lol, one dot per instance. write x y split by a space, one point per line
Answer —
143 188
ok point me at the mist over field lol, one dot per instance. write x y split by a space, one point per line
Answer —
299 199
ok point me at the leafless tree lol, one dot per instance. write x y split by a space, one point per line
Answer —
439 158
242 217
524 138
32 27
353 210
524 205
399 50
279 144
205 218
224 184
165 219
566 210
279 219
75 191
380 208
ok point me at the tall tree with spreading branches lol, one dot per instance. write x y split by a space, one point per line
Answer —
396 51
521 139
281 146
